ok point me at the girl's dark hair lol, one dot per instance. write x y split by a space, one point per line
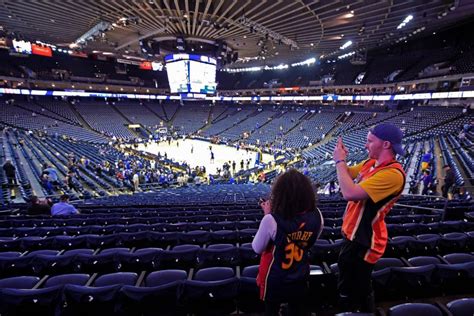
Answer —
292 193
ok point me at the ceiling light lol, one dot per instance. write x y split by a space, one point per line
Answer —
405 22
346 55
346 44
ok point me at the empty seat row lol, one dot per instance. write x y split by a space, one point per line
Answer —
131 239
210 291
189 256
422 276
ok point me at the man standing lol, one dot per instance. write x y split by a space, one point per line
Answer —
426 160
379 182
63 207
449 180
10 169
427 180
136 181
52 174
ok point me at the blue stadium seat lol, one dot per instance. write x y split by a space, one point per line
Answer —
181 256
212 291
249 293
122 278
139 260
74 278
218 255
461 307
419 309
19 282
161 291
247 255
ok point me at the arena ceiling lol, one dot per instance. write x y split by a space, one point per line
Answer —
309 27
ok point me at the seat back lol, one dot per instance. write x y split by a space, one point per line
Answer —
163 277
73 278
214 274
20 282
122 278
461 307
419 309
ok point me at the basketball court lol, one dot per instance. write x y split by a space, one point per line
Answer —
197 153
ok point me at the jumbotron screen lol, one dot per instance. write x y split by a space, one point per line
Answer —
191 73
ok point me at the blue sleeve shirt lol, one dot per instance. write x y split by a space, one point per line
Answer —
63 208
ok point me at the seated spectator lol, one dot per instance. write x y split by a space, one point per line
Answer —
462 194
39 207
46 183
63 207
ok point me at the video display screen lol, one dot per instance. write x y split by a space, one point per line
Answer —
191 73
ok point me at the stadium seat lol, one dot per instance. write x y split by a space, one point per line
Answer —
249 293
419 309
212 291
218 255
122 278
181 256
139 260
20 282
461 307
75 278
161 291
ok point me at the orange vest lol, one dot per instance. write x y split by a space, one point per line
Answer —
363 221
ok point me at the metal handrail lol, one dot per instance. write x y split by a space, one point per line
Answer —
419 207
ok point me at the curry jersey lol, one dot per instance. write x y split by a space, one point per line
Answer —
285 261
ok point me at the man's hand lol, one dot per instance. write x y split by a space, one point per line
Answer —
340 151
266 207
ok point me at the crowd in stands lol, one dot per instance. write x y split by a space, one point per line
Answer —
92 166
